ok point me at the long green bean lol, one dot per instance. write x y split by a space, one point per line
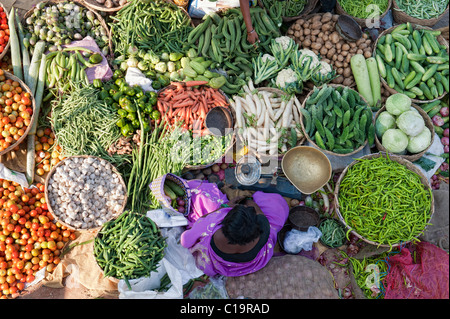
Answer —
424 9
365 8
384 202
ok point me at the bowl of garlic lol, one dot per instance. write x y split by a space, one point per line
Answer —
84 192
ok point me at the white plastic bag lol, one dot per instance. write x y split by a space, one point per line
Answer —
134 76
296 240
13 176
147 287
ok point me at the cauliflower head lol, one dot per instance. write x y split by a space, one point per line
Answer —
288 81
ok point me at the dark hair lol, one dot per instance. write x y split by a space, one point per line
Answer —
240 226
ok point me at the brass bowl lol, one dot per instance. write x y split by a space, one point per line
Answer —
307 168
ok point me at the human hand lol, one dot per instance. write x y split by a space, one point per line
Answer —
252 37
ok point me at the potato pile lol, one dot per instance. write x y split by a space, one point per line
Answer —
319 34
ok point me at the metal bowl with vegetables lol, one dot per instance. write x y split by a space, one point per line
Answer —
59 22
84 192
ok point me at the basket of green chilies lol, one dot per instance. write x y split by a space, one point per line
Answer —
129 247
363 12
384 199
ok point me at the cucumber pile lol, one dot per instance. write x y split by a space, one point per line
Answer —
223 39
337 119
413 62
176 195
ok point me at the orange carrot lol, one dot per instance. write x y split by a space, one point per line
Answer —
195 83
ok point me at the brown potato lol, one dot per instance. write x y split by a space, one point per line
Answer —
338 64
328 45
345 47
323 51
334 37
338 46
348 81
340 71
316 46
352 45
315 31
362 46
306 42
347 72
359 51
367 54
340 58
290 32
344 53
338 80
327 27
297 26
307 31
331 53
348 58
327 17
335 17
297 34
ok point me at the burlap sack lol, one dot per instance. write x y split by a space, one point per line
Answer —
285 277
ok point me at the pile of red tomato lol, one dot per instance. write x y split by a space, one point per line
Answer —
16 111
30 239
4 30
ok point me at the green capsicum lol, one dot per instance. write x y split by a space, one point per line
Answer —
97 83
103 94
156 85
127 129
116 97
132 116
122 113
109 100
156 115
119 82
95 58
117 74
121 123
135 123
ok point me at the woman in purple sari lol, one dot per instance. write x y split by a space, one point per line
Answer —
232 239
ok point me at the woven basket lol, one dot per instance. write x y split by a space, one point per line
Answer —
398 159
33 103
314 144
440 39
95 6
5 50
157 187
47 198
113 279
82 4
401 17
232 143
309 7
264 156
361 22
428 124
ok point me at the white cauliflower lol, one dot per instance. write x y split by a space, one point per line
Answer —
288 81
266 57
325 68
285 41
315 59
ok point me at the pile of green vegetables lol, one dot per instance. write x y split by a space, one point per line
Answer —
61 23
288 8
333 233
424 9
223 39
128 101
364 9
86 125
413 62
287 67
152 24
383 201
129 247
337 119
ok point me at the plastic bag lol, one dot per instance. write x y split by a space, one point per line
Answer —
296 240
214 289
426 276
134 76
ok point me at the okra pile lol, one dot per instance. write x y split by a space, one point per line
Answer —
337 119
129 247
413 62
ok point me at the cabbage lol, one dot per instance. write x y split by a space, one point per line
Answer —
384 122
419 142
411 123
395 140
398 103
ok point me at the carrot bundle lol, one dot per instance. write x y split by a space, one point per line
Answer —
189 102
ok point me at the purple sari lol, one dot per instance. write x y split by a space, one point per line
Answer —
205 218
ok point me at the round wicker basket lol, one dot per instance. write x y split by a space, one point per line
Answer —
314 144
397 159
440 39
102 272
82 4
265 157
5 50
361 22
47 197
233 140
33 116
401 17
428 124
